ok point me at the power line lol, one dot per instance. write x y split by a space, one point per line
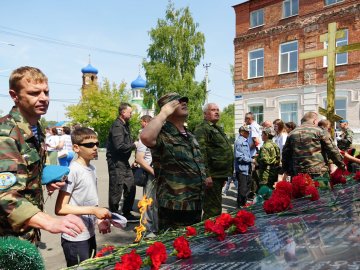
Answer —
19 33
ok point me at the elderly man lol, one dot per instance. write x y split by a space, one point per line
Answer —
178 164
218 156
22 159
346 136
304 148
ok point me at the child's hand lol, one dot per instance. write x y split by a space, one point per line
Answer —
104 226
102 213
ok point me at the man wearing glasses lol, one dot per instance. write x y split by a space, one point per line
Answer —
178 164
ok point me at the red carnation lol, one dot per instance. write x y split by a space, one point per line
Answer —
277 203
311 190
129 261
246 217
224 220
209 224
157 253
190 231
284 187
298 185
105 251
219 231
240 225
182 247
357 176
337 177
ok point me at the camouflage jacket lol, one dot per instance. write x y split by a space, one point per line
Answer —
22 156
179 169
216 150
346 139
268 161
304 148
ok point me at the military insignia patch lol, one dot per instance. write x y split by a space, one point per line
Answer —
7 180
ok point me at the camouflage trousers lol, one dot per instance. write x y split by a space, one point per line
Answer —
175 219
212 203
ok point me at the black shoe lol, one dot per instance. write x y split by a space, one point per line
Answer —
131 218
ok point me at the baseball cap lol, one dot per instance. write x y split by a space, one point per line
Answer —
269 131
343 121
244 128
170 97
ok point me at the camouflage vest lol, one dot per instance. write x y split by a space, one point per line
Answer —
22 155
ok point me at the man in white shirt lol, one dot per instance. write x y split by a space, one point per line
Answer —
254 139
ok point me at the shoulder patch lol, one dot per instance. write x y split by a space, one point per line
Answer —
7 180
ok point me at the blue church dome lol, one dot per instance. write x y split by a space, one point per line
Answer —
138 83
89 69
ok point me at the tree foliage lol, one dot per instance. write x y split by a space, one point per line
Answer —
98 108
175 51
227 120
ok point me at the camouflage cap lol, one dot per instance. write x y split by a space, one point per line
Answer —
269 131
170 97
244 128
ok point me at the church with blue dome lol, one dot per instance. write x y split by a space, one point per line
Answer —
138 86
89 78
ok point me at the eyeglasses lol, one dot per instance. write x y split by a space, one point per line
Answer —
89 145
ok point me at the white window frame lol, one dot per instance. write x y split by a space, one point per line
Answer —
340 40
289 112
289 53
257 115
256 62
326 2
341 98
256 13
291 8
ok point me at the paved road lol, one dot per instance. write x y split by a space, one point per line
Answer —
51 248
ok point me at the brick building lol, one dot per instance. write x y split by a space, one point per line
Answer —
271 81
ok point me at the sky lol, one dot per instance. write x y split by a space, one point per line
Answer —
59 36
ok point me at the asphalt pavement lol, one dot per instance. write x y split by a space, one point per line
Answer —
50 246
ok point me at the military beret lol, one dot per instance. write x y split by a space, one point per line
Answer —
269 131
53 173
170 97
343 121
244 128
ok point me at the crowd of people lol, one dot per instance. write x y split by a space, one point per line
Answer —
186 171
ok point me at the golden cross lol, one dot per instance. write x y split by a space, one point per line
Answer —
331 52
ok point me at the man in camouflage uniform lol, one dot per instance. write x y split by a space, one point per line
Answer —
22 157
268 160
302 152
346 136
178 164
218 156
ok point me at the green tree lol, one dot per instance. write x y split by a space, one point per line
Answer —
227 120
98 108
175 51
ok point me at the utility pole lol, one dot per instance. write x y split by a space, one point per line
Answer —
206 66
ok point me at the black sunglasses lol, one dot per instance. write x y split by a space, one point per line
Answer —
89 144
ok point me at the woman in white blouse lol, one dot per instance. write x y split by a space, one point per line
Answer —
281 134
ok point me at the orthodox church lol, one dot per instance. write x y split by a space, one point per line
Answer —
138 86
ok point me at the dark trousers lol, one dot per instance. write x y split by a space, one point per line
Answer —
244 188
76 252
121 180
174 219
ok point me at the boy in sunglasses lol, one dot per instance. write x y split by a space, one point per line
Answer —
80 197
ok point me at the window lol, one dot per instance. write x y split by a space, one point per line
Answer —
257 18
288 57
330 2
340 108
289 112
341 58
290 8
256 63
258 112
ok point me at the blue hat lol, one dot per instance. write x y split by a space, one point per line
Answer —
343 121
53 173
